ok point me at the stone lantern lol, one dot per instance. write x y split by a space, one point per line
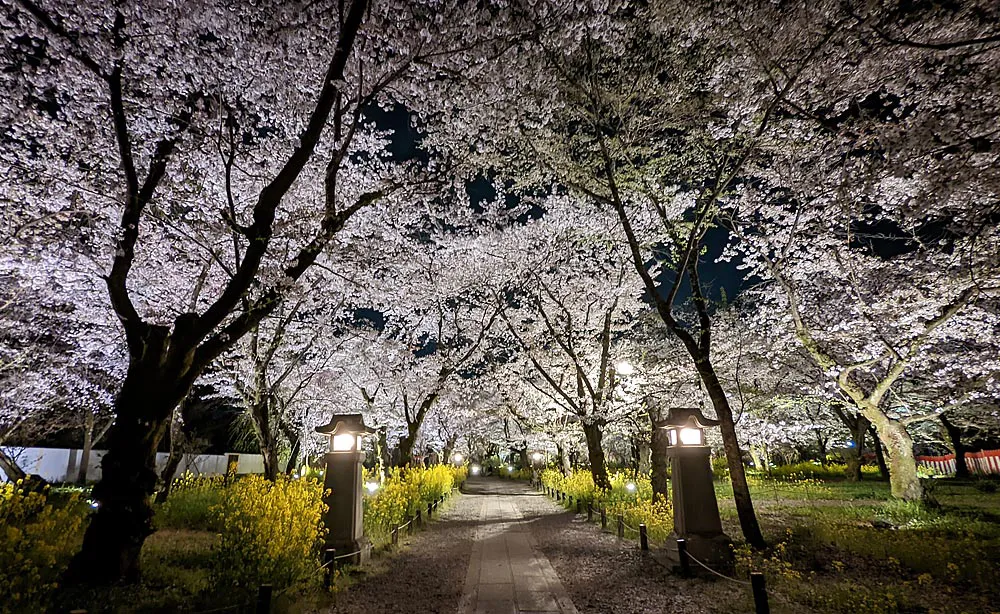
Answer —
696 511
342 484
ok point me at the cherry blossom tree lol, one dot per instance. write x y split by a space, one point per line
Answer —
172 132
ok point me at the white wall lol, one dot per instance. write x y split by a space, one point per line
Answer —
62 464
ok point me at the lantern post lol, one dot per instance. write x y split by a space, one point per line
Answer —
342 486
696 510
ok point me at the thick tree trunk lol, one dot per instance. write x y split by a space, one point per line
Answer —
737 474
659 463
405 448
123 520
593 433
903 479
955 435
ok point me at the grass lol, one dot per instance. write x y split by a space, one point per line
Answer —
845 547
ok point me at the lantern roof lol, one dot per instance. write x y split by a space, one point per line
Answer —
345 423
686 417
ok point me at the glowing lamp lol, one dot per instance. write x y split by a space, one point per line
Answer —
631 487
371 487
686 426
458 459
474 469
510 468
345 431
624 368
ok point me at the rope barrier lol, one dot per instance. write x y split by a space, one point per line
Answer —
721 575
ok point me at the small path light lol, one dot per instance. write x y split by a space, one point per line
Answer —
474 470
371 487
342 485
696 511
631 487
458 458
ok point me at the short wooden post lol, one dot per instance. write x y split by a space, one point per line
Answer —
412 524
590 511
430 510
760 603
419 520
579 506
643 538
395 536
621 526
604 518
264 599
329 557
682 555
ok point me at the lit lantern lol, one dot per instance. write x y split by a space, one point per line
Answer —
458 458
342 486
696 510
686 426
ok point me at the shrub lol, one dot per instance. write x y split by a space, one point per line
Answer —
37 538
271 532
390 506
190 503
433 481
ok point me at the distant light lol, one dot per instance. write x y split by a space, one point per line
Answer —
295 475
630 487
458 458
371 487
474 469
510 468
94 504
624 368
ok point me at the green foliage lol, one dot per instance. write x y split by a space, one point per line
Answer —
190 503
720 467
272 532
38 535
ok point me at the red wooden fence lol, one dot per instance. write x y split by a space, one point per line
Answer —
979 463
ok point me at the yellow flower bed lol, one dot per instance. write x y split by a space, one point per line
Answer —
37 539
272 532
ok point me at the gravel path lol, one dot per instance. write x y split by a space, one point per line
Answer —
426 575
605 575
600 573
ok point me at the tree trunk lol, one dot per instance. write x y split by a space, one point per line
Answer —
88 443
595 451
903 479
659 463
10 468
879 455
124 516
405 448
854 459
180 427
295 448
737 474
821 444
955 435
